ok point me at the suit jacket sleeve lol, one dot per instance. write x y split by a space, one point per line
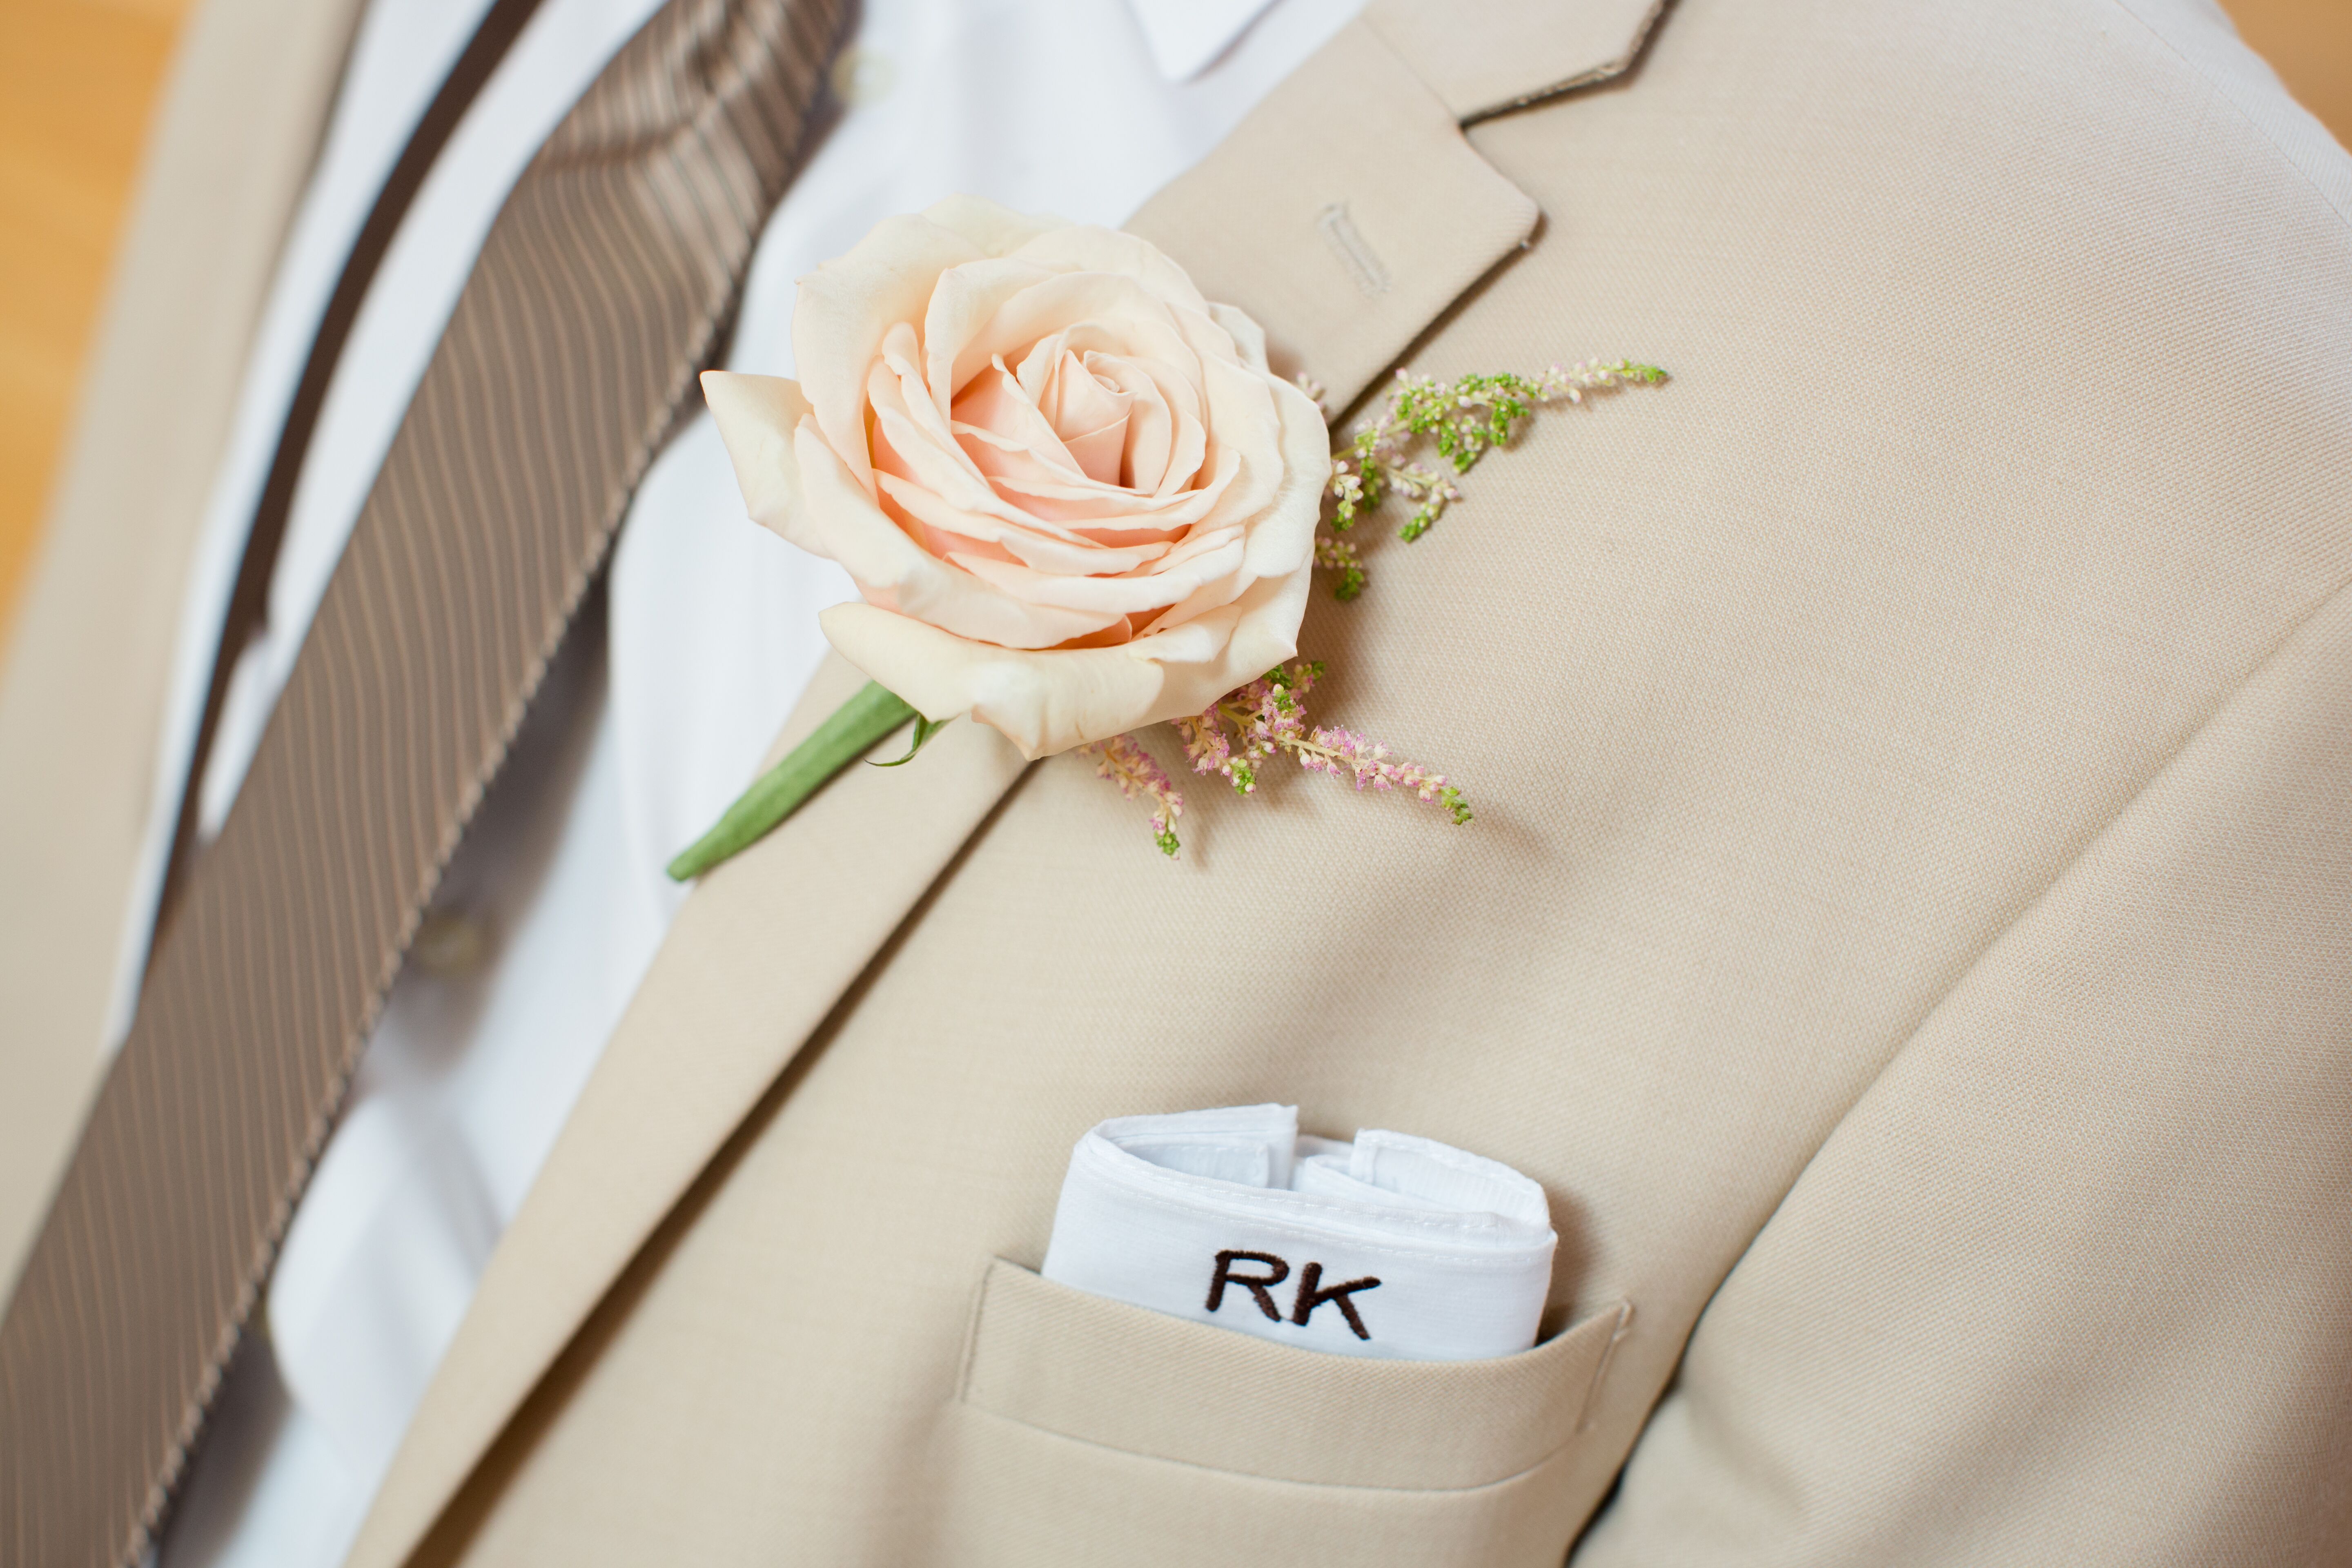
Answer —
2104 1312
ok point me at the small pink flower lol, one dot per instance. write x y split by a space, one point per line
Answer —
1257 720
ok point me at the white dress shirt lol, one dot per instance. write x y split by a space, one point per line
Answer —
664 698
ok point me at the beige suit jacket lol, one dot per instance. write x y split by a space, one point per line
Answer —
1907 927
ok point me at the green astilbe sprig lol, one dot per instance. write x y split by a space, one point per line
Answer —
1465 419
1341 555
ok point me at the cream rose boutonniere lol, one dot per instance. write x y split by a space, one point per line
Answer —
1074 499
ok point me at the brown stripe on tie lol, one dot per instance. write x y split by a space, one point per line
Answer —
606 283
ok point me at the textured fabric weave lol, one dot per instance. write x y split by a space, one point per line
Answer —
606 283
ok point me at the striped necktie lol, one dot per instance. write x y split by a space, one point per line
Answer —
607 281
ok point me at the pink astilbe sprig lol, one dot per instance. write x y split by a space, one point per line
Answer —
1263 720
1264 717
1346 752
1124 762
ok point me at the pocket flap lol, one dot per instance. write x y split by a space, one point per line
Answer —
1144 1383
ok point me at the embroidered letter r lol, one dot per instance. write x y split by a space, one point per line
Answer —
1254 1284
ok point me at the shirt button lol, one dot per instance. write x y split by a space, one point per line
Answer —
861 77
451 944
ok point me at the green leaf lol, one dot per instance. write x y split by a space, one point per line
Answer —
853 729
924 730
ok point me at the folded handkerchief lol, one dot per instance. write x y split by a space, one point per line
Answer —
1389 1246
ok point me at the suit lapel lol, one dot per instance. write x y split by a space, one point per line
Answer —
1348 211
1345 213
757 958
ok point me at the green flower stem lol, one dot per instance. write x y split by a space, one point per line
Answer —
855 727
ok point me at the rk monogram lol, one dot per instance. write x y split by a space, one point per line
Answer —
1312 1292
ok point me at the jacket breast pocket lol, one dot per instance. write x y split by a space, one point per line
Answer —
1090 1430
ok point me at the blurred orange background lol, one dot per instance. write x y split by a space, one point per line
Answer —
77 78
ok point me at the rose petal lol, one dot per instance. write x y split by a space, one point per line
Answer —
1048 702
966 300
1084 247
843 308
1075 509
1000 457
1008 428
929 453
1043 703
1102 452
756 416
1250 637
1150 427
1121 314
1090 508
1247 337
1141 377
1089 417
961 532
1144 595
1282 540
840 521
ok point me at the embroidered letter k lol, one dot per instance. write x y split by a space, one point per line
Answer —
1311 1297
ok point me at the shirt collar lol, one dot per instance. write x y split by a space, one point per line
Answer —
1185 36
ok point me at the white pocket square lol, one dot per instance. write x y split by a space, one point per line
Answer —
1391 1246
